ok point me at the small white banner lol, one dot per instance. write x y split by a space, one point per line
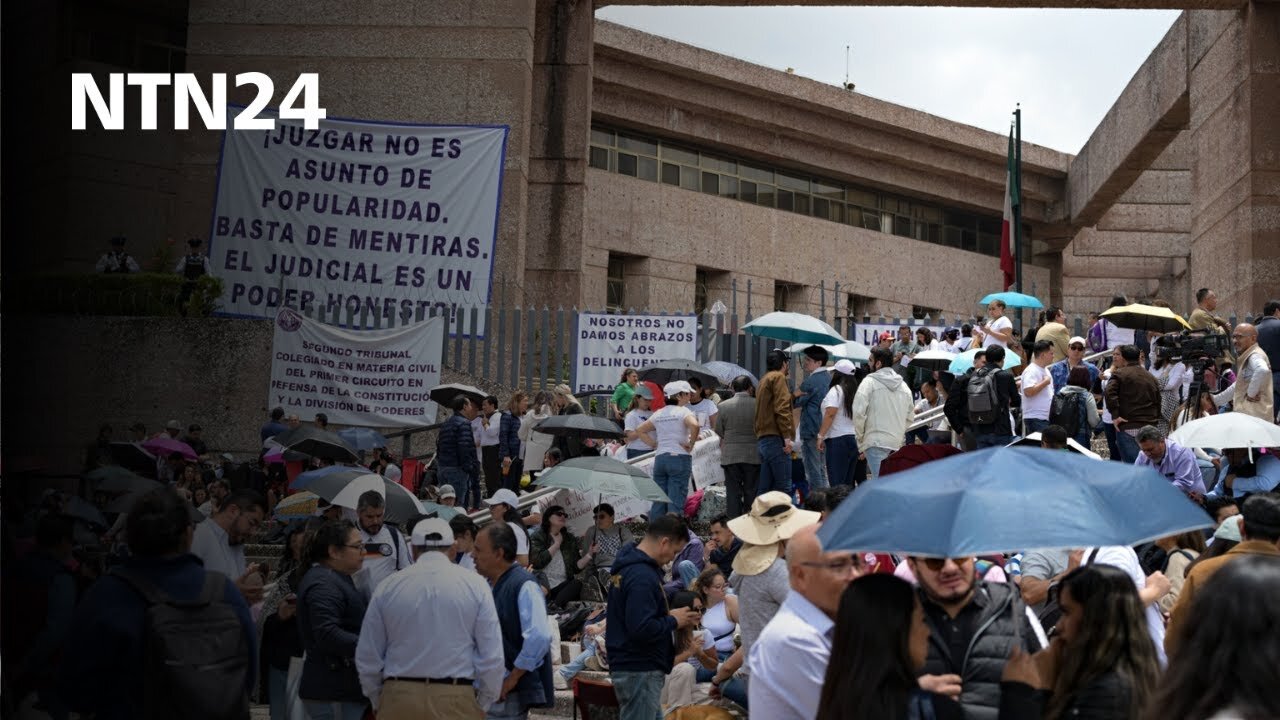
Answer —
608 344
868 333
357 215
370 378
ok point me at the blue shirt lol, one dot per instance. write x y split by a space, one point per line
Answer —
1178 465
1059 371
814 388
1265 479
788 662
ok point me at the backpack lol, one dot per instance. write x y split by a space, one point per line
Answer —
984 400
195 653
1066 411
1052 610
1097 340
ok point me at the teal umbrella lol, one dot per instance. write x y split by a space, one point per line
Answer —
964 361
1014 300
604 476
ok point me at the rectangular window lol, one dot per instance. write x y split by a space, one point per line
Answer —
989 244
757 174
802 204
793 182
648 169
830 192
837 212
968 239
600 158
786 200
747 191
871 220
670 174
902 226
644 146
690 178
862 198
671 153
766 195
600 136
951 236
822 208
710 183
615 284
720 165
627 164
728 186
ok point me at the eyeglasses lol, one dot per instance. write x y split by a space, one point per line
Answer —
936 564
561 513
355 546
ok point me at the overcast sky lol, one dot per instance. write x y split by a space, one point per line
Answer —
1066 67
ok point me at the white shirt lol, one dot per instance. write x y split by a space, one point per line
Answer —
486 435
210 543
670 429
522 538
1036 407
789 661
842 424
706 411
1001 324
434 620
1127 560
632 421
377 566
1115 335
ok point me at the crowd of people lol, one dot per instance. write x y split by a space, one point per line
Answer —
448 618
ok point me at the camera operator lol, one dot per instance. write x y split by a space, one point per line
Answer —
1251 392
1202 318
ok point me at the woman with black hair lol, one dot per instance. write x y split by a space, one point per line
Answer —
1227 660
1102 664
278 623
330 611
881 644
836 436
556 557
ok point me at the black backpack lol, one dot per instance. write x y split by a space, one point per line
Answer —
195 653
1066 411
983 397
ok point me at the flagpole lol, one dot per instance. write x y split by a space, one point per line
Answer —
1017 209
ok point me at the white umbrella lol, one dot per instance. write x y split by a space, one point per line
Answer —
851 350
1033 440
793 327
1228 430
401 504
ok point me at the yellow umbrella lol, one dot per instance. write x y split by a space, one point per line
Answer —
1146 317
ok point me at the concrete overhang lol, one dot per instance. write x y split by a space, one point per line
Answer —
1016 4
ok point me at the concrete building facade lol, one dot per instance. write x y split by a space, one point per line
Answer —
642 172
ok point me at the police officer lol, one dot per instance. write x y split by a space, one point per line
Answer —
116 260
191 267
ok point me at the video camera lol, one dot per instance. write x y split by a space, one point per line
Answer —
1189 346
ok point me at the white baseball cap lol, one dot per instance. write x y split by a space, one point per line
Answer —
432 532
447 491
503 496
1077 339
845 367
675 387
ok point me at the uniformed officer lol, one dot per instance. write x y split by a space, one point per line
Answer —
191 267
116 260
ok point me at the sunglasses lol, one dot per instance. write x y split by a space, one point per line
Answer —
561 513
1077 347
936 564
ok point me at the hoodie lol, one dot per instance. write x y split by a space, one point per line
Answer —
639 633
882 410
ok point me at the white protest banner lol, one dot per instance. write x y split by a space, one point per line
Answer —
607 344
868 333
371 378
357 215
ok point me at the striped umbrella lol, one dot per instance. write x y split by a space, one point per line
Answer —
297 506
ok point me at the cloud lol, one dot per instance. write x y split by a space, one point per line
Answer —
1066 67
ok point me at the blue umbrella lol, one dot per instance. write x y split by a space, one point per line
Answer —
1014 300
964 361
303 480
362 438
1006 499
726 372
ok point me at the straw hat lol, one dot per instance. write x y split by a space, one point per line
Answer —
772 519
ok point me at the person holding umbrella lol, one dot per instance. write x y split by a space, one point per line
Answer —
567 404
672 432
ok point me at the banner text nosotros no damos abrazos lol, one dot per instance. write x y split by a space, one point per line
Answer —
357 216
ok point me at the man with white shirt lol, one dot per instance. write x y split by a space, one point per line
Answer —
453 671
219 540
1037 388
385 550
789 660
1150 587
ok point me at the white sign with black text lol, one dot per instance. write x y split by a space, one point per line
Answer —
608 344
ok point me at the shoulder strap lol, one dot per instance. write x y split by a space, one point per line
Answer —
1093 554
395 542
149 592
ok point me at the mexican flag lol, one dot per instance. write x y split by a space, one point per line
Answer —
1011 200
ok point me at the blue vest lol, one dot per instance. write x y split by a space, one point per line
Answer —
534 689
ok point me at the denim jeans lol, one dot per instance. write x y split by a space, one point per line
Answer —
687 572
1128 445
987 440
842 459
875 456
579 663
671 473
775 466
639 694
815 470
1034 425
509 709
462 483
277 692
1113 449
704 675
322 710
735 689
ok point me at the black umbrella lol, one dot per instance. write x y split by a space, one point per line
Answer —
114 480
579 425
315 442
665 371
344 485
131 456
445 394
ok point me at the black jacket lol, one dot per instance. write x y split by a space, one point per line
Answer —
638 636
330 611
957 406
999 606
1106 696
1269 339
1008 397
